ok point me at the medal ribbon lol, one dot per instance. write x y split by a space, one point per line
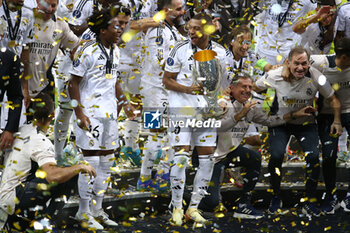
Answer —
12 30
109 62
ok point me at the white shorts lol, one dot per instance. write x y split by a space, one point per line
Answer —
154 98
103 135
185 136
130 79
200 138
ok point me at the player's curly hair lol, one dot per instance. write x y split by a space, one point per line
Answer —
101 19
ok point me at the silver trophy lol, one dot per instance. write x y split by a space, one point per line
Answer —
207 73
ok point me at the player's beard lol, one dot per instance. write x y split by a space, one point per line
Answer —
175 19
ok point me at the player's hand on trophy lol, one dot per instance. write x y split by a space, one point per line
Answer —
194 90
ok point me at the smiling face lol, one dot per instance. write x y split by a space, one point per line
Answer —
47 8
242 91
112 33
241 45
299 65
196 33
175 12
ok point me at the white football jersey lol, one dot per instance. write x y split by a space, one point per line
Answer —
49 36
311 39
65 8
32 145
339 79
24 33
180 60
82 10
343 19
294 95
276 36
245 65
97 90
158 43
131 50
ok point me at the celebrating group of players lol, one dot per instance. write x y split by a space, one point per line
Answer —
141 56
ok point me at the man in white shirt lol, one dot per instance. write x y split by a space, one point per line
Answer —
242 110
158 43
317 31
82 10
132 57
275 36
343 21
183 100
51 34
31 165
337 70
299 91
95 87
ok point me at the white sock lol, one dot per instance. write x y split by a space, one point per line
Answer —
85 184
202 179
150 152
343 139
61 130
178 178
84 206
101 182
167 155
348 194
131 134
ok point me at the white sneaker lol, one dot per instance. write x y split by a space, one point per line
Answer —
195 215
103 217
177 216
88 221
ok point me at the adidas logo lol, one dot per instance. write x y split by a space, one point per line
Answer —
101 57
177 187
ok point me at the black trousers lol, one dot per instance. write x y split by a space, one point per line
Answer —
33 198
249 159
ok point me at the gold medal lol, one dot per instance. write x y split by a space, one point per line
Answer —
12 44
109 76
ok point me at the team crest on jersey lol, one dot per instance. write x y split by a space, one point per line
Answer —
91 143
159 41
76 14
24 21
76 63
170 61
54 35
86 37
177 138
309 91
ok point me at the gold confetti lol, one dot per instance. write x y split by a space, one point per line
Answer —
279 58
40 174
336 86
159 17
209 29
